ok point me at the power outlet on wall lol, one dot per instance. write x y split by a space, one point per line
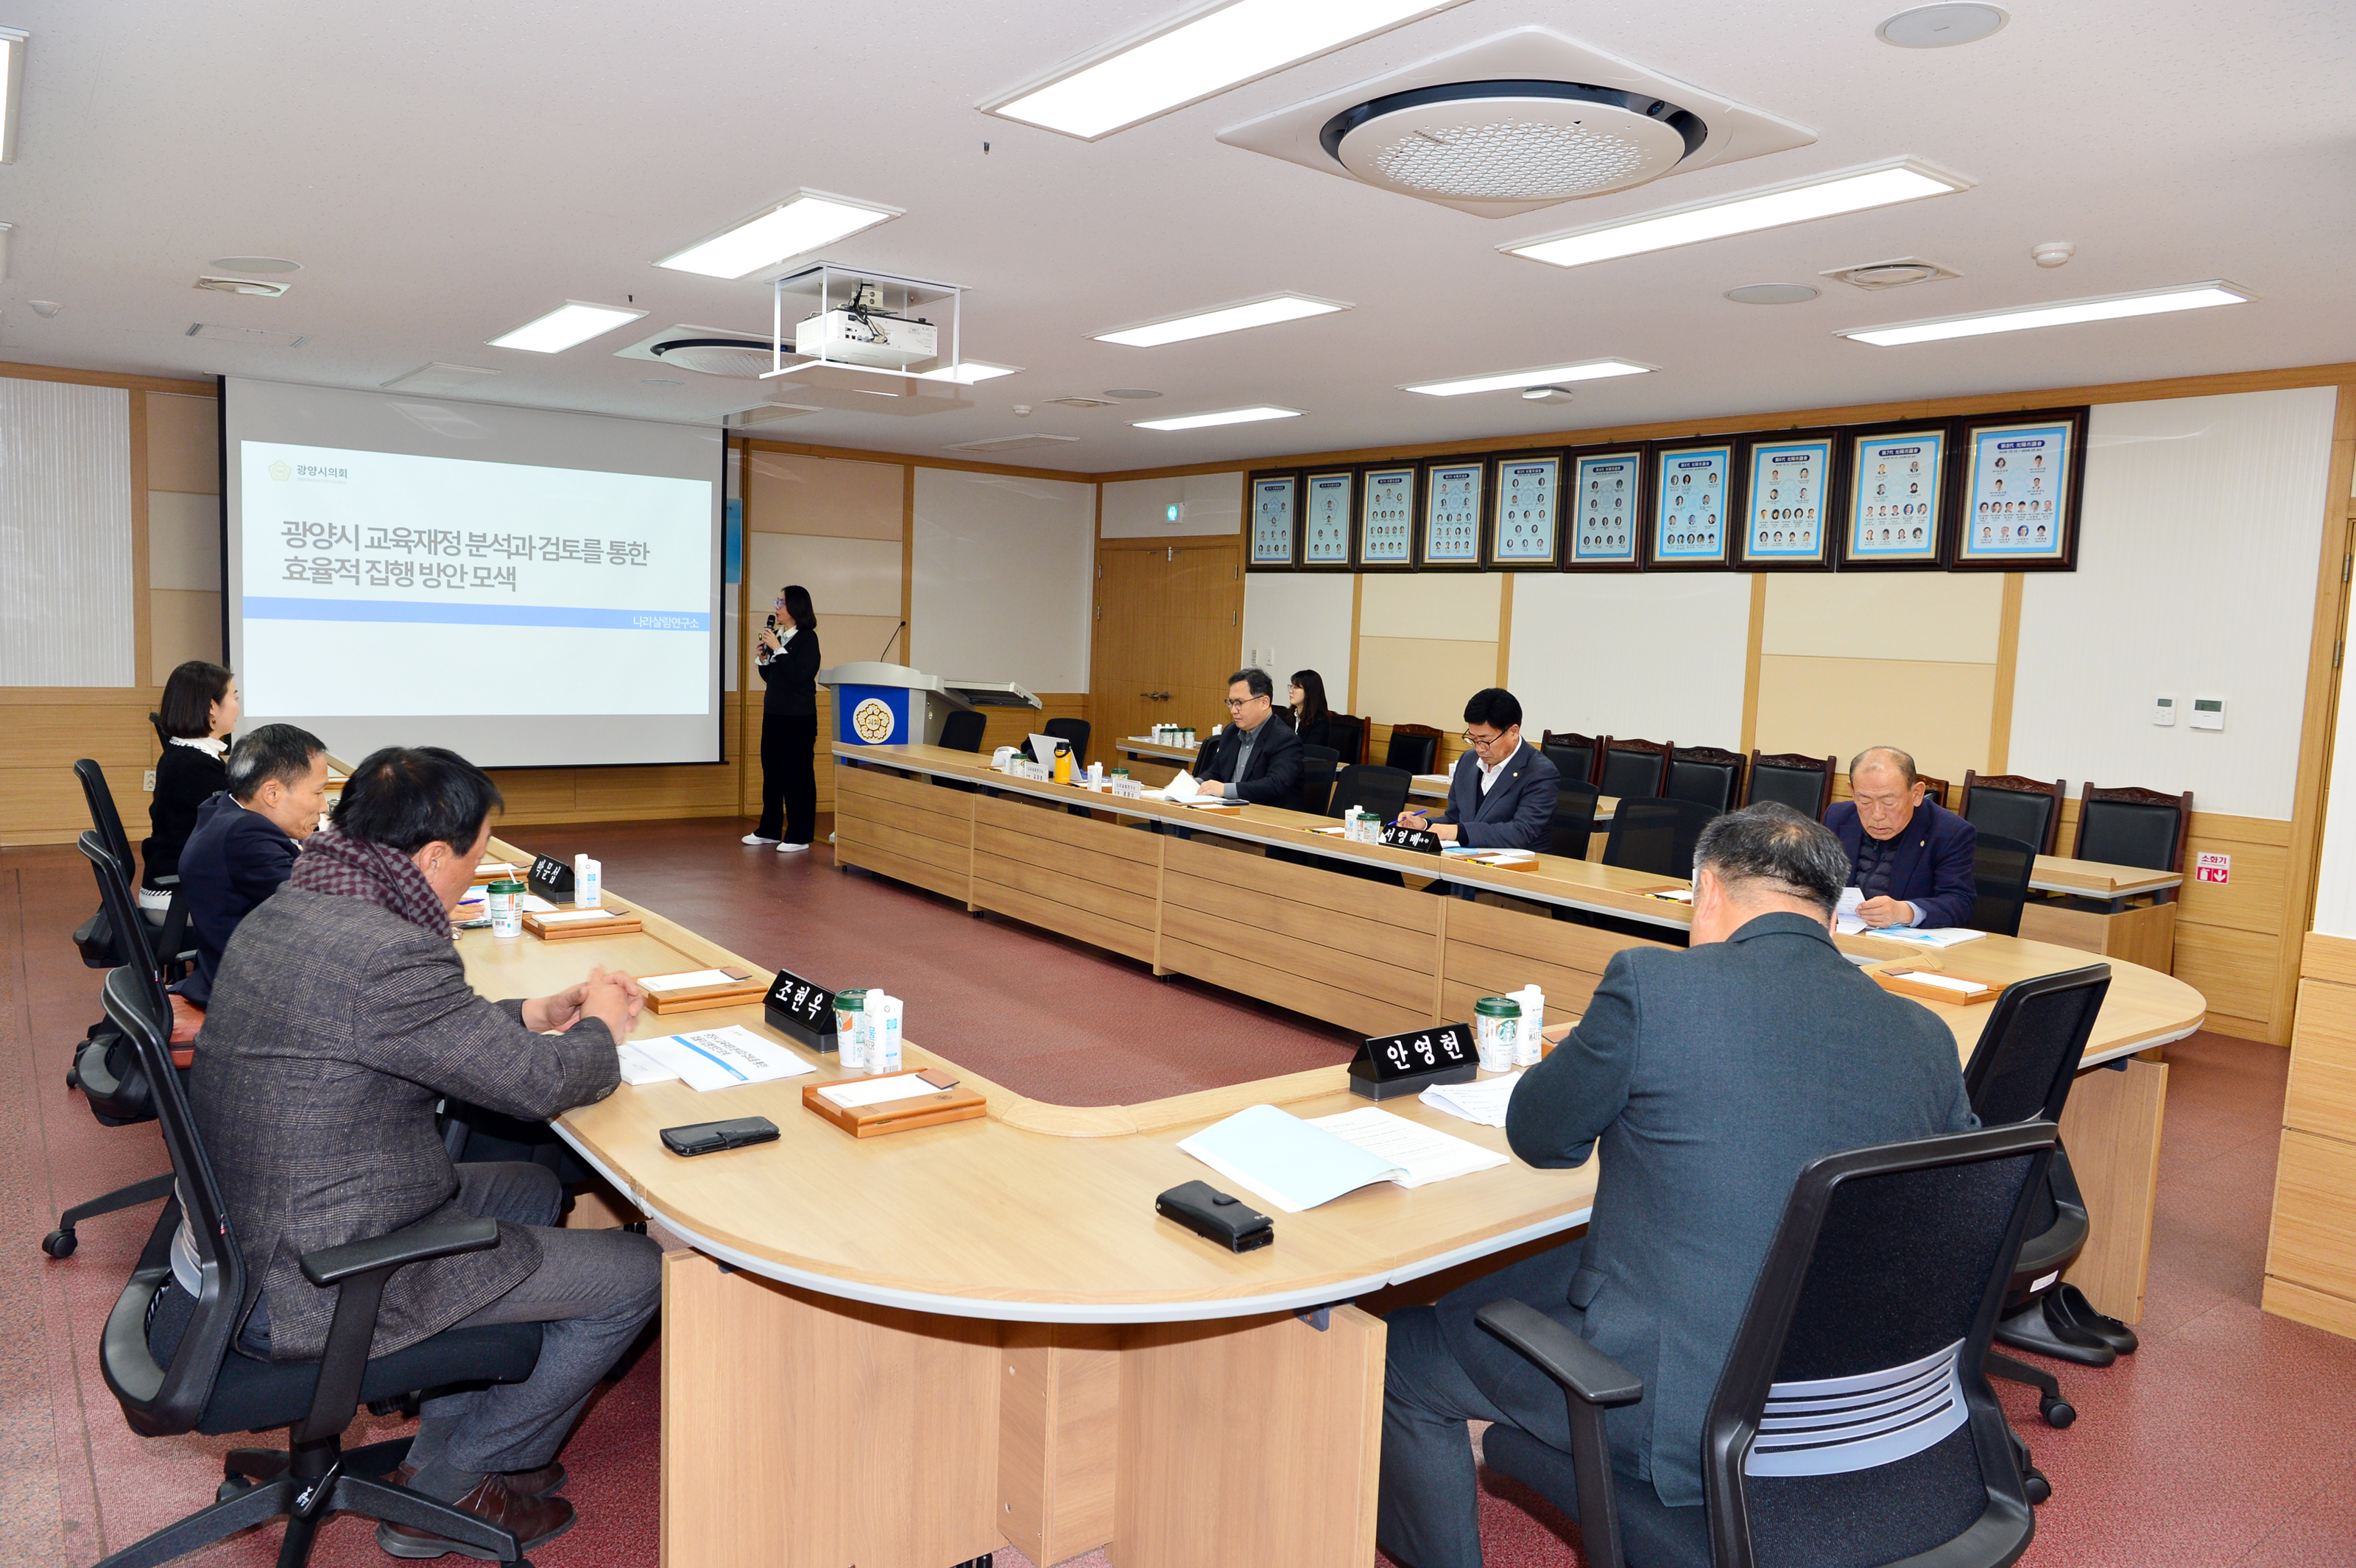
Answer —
147 780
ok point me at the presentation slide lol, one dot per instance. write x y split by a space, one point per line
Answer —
530 589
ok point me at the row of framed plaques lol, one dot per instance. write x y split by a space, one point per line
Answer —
1994 493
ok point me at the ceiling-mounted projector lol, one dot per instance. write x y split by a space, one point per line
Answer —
1511 141
1515 122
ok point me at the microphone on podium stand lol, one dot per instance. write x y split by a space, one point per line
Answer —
892 638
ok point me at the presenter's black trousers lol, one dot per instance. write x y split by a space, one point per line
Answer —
788 776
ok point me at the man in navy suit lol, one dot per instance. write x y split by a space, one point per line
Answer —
1911 857
246 838
1502 796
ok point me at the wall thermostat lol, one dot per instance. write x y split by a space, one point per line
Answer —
2208 713
2163 710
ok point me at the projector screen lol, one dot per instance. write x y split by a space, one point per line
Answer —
529 589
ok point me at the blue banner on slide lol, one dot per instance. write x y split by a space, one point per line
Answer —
440 613
873 716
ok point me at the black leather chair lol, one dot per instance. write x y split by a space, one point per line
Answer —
1413 747
1707 774
1852 1424
2015 807
1075 730
1803 783
2131 826
2001 868
1573 755
1656 836
1318 766
168 1358
1348 733
962 730
1574 821
1379 791
1933 789
1638 769
2020 1072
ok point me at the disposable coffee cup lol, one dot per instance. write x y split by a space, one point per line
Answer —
506 899
1496 1031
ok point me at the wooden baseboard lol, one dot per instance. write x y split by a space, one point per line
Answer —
2317 1308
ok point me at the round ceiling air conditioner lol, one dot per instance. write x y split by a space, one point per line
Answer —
744 357
1511 141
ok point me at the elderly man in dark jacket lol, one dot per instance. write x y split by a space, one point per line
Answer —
341 1014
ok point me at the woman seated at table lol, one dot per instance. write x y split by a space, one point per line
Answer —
1312 719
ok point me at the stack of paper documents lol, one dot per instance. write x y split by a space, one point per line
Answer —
1928 936
1298 1165
710 1058
853 1092
694 980
1181 789
1484 1101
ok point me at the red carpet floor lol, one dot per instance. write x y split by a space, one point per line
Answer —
2229 1439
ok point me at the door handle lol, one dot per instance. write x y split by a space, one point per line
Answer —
1157 696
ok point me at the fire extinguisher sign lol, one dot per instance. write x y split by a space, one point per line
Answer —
2210 866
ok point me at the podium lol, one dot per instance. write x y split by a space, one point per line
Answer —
878 704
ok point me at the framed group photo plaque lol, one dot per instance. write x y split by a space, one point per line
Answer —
2018 485
1385 532
1604 525
1524 527
1696 495
1785 526
1894 513
1453 509
1327 502
1275 521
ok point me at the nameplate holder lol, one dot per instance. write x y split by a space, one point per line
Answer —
551 878
802 1009
1422 840
1390 1065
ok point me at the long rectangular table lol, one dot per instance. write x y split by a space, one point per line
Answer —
900 1351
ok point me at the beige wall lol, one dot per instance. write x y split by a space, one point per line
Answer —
184 586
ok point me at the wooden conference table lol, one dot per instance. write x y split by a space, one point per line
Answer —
897 1353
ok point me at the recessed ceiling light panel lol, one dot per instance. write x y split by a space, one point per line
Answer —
1772 294
437 380
1225 416
1511 141
2113 308
1586 370
1529 113
1942 27
967 372
574 321
1827 196
1207 50
1264 311
808 220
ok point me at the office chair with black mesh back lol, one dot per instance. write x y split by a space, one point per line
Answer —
1319 764
1574 821
1656 836
1851 1424
2001 868
2027 1057
1379 792
166 1356
962 730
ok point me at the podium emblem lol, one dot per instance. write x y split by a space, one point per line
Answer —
873 720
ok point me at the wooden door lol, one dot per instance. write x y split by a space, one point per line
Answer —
1168 633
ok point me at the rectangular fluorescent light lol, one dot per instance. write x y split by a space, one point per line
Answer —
1225 318
1854 192
1586 370
570 323
2110 307
12 84
1225 416
1209 50
803 222
969 372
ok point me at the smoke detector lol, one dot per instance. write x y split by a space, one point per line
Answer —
1899 273
2052 253
254 286
1518 122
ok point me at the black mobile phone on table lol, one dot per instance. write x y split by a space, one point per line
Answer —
711 1137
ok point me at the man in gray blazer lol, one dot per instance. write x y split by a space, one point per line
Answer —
340 1015
1709 1078
1503 793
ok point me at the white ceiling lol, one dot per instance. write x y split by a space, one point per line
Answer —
446 172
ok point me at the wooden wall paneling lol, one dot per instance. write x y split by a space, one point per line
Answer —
908 562
13 371
143 654
2007 666
1357 619
1087 879
1751 662
2111 1128
2311 1248
1249 1442
1059 1436
49 728
797 1428
2321 1097
1493 951
1504 628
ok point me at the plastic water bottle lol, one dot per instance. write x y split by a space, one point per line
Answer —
588 882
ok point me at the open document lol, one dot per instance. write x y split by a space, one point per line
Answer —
709 1059
1298 1165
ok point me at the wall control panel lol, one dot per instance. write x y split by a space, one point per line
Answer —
2208 713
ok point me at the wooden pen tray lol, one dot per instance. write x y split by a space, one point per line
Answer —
624 920
958 1104
744 990
1903 982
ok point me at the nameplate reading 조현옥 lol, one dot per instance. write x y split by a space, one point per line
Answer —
802 1009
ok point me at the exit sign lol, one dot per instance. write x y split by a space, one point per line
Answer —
2210 866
